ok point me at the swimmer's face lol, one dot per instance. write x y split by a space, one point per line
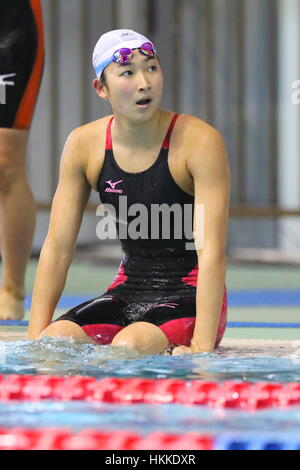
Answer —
126 85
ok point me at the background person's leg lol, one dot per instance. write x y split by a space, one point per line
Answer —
17 221
21 68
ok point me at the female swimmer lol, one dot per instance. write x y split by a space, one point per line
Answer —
161 167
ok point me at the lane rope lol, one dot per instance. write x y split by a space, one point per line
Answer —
89 439
246 396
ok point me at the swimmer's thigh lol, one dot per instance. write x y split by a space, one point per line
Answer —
145 337
68 329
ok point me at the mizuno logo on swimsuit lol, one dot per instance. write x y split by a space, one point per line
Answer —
4 77
3 84
112 187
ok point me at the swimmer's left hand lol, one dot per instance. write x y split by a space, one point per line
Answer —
192 349
181 350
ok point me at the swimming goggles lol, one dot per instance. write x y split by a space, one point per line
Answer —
123 56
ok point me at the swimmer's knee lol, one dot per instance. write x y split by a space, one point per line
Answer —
144 337
125 341
67 329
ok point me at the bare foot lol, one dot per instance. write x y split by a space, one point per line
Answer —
11 308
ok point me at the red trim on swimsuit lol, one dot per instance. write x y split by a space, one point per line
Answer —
191 278
119 279
180 331
166 142
108 143
102 333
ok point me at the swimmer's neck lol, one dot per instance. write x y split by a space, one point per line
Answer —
132 134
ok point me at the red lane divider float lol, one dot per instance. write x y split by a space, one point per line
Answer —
62 439
231 394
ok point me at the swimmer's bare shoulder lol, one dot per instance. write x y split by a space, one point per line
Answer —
84 144
199 152
193 135
90 139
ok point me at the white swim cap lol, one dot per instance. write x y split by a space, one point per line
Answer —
110 42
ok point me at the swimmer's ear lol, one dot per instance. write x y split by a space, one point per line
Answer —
100 88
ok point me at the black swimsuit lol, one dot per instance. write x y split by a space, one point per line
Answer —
157 278
21 61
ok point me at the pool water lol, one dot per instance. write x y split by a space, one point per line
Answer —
65 357
144 418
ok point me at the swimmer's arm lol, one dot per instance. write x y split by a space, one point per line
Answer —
208 165
69 202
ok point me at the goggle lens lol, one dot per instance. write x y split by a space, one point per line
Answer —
123 55
147 49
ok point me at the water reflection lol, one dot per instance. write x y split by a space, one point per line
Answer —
144 419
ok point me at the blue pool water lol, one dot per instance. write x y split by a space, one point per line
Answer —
149 418
64 357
